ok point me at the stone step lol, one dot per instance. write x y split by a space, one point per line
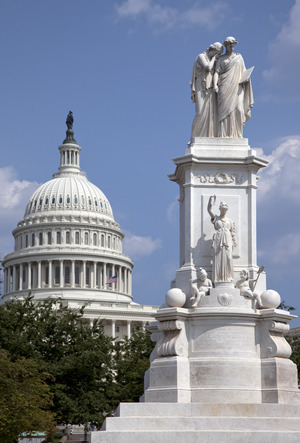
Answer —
207 410
163 423
207 436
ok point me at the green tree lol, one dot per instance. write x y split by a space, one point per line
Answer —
132 360
79 358
25 398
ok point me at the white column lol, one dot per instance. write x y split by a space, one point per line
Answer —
6 281
113 328
119 282
84 273
113 271
29 276
50 274
104 276
128 328
39 272
14 279
100 275
129 282
61 273
94 275
125 280
21 277
72 273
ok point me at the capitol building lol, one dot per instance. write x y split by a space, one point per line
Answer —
68 246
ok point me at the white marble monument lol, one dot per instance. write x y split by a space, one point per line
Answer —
220 369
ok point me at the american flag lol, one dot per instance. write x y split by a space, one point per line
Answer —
112 279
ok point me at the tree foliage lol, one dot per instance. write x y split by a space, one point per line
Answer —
132 360
79 358
25 398
88 375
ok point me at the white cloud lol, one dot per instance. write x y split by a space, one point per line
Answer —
168 17
133 8
173 210
14 194
137 246
12 190
279 208
284 58
281 179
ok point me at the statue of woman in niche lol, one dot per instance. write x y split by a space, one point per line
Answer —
202 93
234 92
223 243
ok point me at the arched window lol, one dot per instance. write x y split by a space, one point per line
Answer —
40 238
57 275
102 240
49 236
58 238
108 242
114 242
26 241
67 275
86 238
95 239
68 237
32 239
77 238
77 275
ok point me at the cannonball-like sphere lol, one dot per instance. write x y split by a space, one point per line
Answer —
175 298
270 299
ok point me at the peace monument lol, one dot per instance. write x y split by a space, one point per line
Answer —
220 370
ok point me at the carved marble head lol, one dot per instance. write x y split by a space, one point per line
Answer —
223 206
216 47
202 274
244 274
230 40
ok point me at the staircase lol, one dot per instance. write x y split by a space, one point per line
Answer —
198 422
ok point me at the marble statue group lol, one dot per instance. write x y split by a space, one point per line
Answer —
221 90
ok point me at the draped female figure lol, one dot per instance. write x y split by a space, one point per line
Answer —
223 243
234 92
202 94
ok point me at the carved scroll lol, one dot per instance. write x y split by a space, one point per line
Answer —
172 339
276 345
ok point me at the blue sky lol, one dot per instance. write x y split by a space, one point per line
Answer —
123 68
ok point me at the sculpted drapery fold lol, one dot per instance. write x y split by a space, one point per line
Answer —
222 96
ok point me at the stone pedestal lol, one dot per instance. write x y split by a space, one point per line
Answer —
220 370
222 354
226 167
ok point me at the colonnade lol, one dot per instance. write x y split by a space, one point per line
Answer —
64 273
121 328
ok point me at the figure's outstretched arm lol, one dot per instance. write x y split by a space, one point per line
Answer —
211 202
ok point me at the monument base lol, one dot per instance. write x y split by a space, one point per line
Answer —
200 422
221 354
218 373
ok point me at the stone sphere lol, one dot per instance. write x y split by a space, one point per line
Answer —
175 298
270 299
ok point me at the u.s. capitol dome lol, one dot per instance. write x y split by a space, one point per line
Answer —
69 246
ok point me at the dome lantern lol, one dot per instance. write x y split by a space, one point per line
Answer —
69 151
